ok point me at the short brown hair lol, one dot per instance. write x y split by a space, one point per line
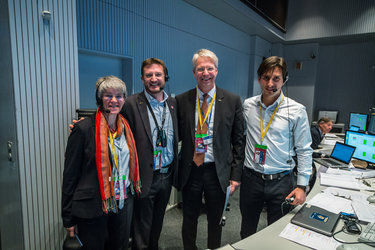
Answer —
271 63
324 120
153 60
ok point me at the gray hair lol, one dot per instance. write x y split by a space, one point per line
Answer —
109 82
205 53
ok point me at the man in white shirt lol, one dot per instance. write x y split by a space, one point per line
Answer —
277 129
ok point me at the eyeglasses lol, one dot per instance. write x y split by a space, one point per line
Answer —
150 75
202 69
110 97
274 79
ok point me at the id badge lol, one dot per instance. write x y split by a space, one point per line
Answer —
117 188
200 147
207 140
260 154
157 158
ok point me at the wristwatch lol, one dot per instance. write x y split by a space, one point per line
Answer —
302 187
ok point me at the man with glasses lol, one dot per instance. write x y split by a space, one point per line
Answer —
211 128
152 116
277 129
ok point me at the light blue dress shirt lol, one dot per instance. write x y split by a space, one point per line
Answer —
122 152
287 136
157 108
209 156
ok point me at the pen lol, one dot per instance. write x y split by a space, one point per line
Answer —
366 183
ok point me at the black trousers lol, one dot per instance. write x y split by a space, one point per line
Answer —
109 231
149 213
255 192
202 180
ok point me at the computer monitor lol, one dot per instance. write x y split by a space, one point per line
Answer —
354 128
371 124
364 143
359 120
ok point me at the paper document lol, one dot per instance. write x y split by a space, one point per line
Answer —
348 194
332 203
337 171
344 181
331 136
364 211
327 141
227 194
308 238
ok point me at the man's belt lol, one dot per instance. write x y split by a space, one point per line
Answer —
269 177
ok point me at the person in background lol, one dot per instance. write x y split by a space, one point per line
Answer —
318 132
277 129
152 116
210 122
101 173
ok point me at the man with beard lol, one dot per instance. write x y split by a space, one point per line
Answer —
153 119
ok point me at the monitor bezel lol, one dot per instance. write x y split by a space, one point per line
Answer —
357 132
358 113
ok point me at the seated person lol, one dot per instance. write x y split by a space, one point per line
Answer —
318 132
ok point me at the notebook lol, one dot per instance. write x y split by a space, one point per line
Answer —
339 158
316 219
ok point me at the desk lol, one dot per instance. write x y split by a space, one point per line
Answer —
269 239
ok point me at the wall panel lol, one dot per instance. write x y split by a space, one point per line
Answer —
45 72
335 18
168 29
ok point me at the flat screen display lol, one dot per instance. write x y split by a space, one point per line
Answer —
359 120
364 143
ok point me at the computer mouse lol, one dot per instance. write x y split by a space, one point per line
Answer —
347 247
371 199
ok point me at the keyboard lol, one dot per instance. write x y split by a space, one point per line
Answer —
368 235
332 162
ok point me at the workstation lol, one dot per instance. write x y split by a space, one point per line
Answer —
341 193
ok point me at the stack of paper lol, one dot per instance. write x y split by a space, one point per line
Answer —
308 238
344 181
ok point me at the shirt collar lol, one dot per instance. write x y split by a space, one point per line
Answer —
259 100
210 93
153 101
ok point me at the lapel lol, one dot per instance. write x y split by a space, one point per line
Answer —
143 112
172 110
219 109
190 112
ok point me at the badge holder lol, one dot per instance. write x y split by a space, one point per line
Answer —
260 153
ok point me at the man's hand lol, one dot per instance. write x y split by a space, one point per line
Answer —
299 196
72 124
234 186
70 231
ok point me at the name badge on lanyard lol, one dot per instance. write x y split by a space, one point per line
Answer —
200 146
203 140
157 157
260 151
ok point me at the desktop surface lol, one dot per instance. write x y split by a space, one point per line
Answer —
269 238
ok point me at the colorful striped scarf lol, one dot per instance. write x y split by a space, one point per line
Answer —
103 164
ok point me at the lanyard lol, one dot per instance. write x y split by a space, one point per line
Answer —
163 116
113 148
200 111
263 133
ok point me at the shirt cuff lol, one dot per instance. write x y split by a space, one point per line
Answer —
303 180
